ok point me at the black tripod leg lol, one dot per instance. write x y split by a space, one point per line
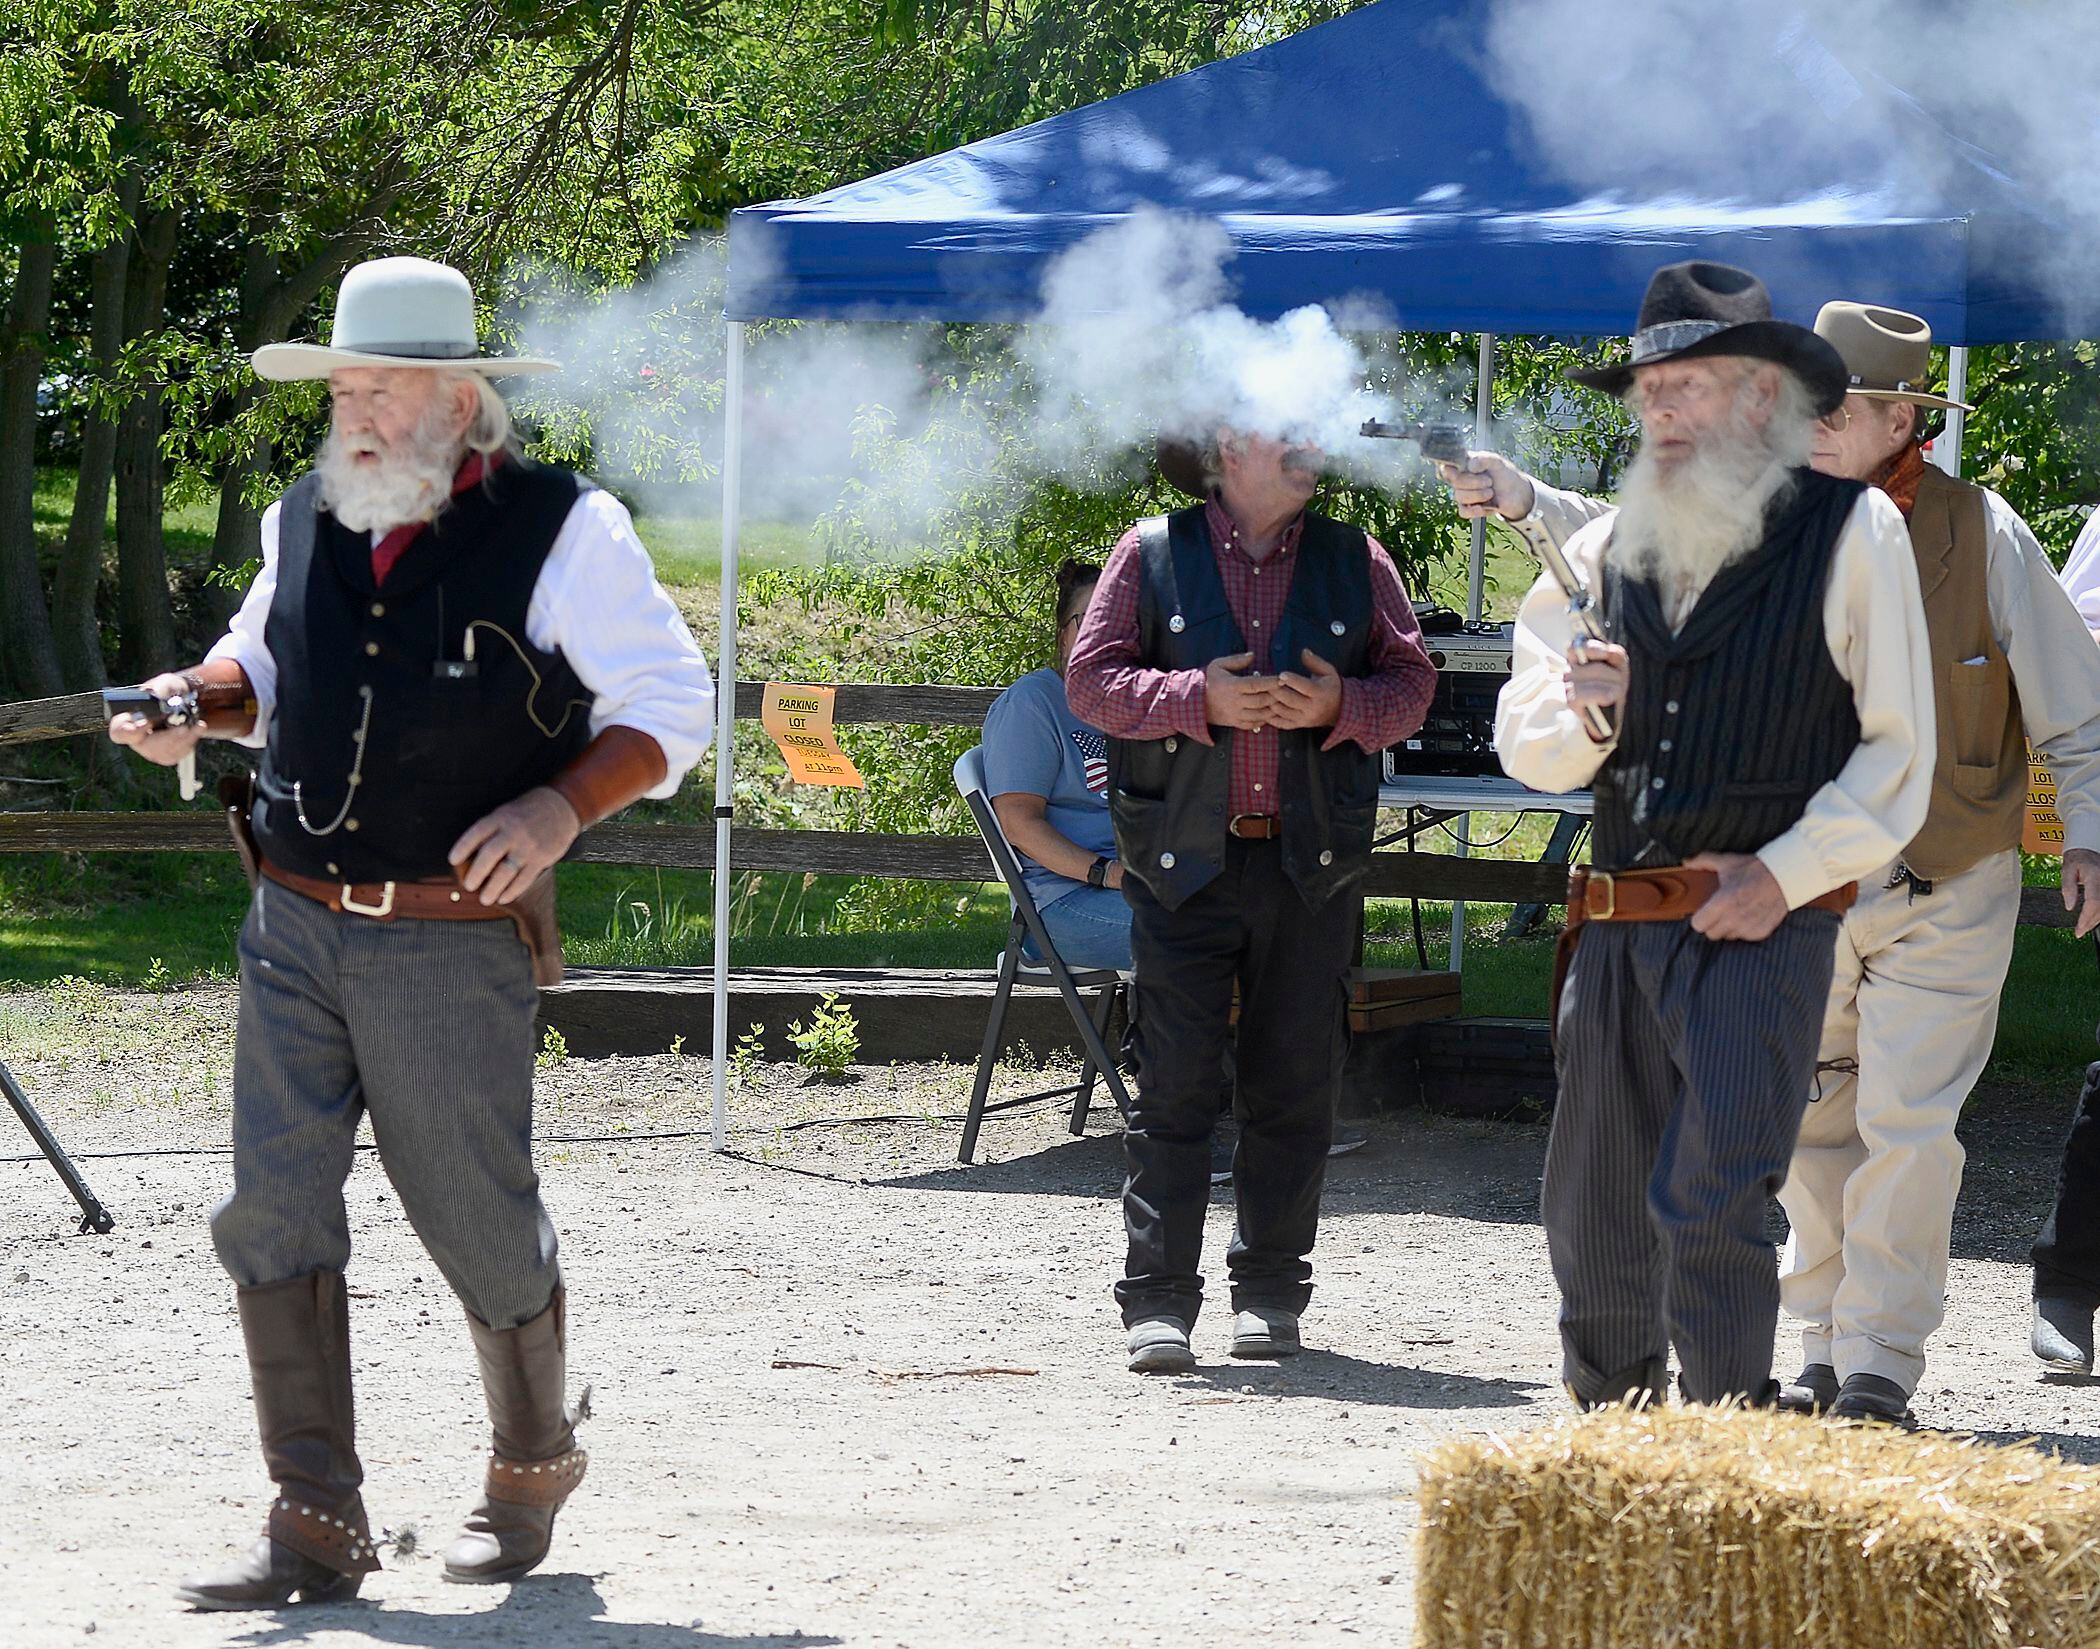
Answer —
93 1216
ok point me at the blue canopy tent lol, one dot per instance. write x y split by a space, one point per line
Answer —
1369 157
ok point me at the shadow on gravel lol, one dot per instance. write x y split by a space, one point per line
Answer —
1416 1163
1333 1377
2084 1450
551 1609
1089 1167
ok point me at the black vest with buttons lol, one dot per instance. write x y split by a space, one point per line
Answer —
1731 724
386 742
1167 797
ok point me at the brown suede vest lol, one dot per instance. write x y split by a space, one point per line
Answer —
1979 786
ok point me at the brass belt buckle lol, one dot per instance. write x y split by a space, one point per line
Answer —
385 907
1611 896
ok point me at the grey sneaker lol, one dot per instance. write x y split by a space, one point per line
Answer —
1160 1345
1264 1331
2063 1335
1811 1391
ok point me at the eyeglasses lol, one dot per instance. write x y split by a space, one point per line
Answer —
1837 421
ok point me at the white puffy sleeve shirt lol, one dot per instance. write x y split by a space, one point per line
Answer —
1874 625
597 602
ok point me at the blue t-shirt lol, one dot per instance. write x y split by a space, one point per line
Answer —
1035 746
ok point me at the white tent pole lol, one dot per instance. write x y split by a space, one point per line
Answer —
1476 593
1947 449
1483 420
725 712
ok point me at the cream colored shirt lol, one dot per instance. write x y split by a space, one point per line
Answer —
2043 626
1874 625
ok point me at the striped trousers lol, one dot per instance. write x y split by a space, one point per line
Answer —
1685 1064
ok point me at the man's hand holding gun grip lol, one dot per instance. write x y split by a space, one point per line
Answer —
165 719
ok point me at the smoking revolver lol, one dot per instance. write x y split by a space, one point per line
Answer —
176 710
1452 444
1440 443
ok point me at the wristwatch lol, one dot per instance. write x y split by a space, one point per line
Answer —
1097 873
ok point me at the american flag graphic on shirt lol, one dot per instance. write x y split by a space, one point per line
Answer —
1093 756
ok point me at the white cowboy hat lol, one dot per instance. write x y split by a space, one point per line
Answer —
396 312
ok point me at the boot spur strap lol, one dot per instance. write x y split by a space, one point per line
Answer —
344 1543
536 1482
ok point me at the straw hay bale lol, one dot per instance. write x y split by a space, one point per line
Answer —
1733 1529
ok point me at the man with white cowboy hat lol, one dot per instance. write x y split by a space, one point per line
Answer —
453 660
1753 730
1921 958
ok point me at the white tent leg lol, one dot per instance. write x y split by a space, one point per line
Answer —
1946 451
1476 597
725 713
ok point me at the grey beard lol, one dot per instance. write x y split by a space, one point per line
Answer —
1682 528
409 484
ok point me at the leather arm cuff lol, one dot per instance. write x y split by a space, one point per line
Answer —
619 766
226 703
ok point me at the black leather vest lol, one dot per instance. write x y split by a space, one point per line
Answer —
1167 797
1731 724
387 741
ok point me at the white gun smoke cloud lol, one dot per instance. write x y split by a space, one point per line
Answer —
1768 101
1136 339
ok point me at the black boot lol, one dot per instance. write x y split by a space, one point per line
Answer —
1811 1391
536 1464
316 1545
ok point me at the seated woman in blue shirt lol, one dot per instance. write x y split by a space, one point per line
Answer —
1047 774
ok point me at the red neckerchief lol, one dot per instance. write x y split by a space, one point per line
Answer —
392 546
1900 476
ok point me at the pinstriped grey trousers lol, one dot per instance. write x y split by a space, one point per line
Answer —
1685 1064
426 1025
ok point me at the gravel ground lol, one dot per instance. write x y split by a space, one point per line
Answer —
846 1392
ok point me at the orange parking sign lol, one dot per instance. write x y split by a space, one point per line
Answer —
799 721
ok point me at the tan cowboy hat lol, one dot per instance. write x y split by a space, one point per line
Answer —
1887 352
396 312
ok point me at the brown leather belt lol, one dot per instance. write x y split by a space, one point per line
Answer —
1669 895
389 901
1255 827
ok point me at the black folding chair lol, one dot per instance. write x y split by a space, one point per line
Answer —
1013 966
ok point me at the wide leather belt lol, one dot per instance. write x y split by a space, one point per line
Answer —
1255 827
388 901
1669 895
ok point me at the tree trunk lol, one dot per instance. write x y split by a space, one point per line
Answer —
28 651
80 565
270 302
145 607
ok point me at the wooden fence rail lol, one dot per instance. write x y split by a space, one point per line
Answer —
839 853
30 720
824 852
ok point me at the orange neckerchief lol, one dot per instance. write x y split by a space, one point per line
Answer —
1900 476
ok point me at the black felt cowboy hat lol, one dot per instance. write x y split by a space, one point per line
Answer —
1703 309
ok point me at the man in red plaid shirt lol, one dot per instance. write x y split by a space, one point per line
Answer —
1249 660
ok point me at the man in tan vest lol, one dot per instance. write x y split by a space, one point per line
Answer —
1922 955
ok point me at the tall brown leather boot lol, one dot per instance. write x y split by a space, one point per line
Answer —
316 1543
535 1464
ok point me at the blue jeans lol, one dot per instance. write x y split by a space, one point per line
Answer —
1090 927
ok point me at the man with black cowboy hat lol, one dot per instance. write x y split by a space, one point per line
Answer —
1921 957
1763 693
1249 660
454 660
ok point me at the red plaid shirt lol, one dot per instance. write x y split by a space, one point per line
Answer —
1110 686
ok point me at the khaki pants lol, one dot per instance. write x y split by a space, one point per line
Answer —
1870 1195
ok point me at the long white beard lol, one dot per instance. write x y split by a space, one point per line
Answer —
411 482
1683 525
